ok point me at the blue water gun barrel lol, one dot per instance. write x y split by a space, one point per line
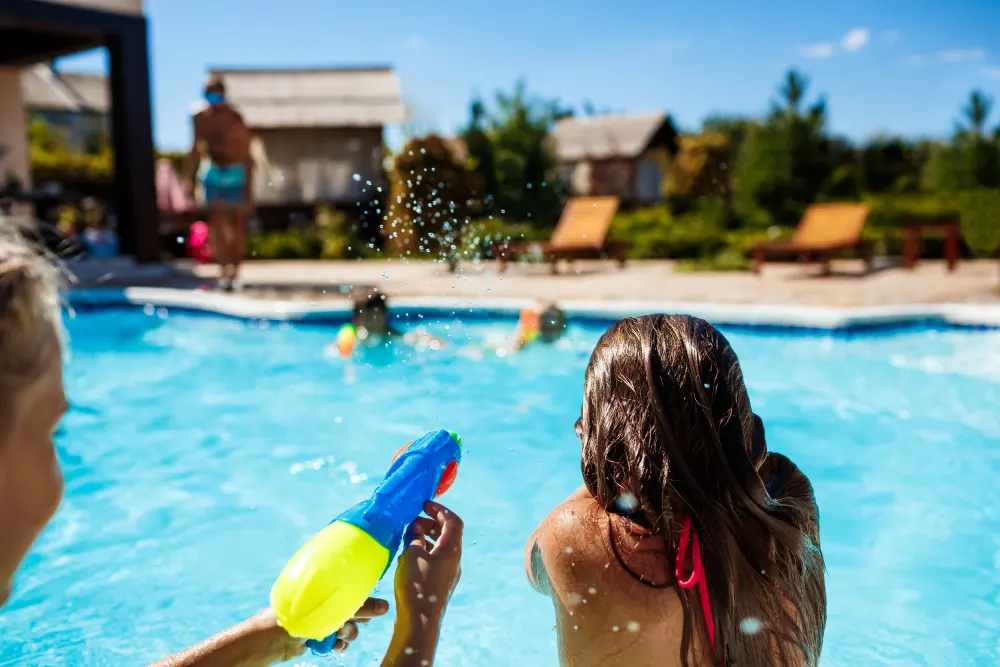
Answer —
332 575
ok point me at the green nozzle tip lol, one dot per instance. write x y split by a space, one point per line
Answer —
457 437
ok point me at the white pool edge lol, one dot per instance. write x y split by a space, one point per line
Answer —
810 317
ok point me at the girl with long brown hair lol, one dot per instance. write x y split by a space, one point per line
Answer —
688 544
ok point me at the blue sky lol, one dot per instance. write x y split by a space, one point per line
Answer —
885 65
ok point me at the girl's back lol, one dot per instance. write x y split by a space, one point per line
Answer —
689 543
615 602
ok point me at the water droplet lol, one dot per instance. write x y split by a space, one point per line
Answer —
614 628
385 275
356 177
626 503
592 590
568 550
633 626
338 419
573 599
750 625
408 650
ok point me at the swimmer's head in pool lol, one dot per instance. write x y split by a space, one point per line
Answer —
369 311
552 324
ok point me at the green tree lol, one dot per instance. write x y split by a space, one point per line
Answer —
430 199
891 165
972 159
787 161
513 156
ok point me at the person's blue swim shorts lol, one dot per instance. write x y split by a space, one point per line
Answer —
223 185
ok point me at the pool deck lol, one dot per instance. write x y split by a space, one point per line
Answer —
784 295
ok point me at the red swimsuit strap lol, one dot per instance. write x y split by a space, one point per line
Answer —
697 576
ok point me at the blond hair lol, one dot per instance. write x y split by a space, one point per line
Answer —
30 316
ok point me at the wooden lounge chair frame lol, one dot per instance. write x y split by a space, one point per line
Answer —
826 230
580 234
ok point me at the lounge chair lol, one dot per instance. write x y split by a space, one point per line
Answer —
824 231
582 233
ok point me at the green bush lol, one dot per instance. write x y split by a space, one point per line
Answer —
891 211
728 259
296 243
655 233
479 236
981 220
329 236
61 166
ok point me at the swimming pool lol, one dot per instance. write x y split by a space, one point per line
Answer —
203 450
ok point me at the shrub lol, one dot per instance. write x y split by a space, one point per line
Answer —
295 243
655 233
430 198
328 236
727 259
891 211
61 166
479 236
981 220
701 167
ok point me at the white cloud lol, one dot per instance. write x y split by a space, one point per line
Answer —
891 36
855 39
818 51
991 71
961 55
414 43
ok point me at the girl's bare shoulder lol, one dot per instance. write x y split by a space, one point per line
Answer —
572 540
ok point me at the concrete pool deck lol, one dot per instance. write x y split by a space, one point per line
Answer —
784 284
785 295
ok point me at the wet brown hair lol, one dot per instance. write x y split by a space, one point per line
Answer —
366 299
667 423
552 323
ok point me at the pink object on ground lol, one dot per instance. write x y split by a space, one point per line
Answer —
198 247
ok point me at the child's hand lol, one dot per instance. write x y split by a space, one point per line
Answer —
428 571
339 642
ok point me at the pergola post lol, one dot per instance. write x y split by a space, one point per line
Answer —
132 134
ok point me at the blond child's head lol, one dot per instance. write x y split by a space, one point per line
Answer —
32 400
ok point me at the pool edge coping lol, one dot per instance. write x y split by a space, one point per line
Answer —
753 315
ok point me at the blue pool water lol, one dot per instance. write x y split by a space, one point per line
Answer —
202 451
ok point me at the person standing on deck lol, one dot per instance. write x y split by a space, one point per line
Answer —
223 137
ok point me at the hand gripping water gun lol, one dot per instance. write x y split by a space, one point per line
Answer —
347 338
332 575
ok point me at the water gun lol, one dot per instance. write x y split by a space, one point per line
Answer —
347 339
332 575
528 327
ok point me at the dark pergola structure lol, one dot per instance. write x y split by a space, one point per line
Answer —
34 31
